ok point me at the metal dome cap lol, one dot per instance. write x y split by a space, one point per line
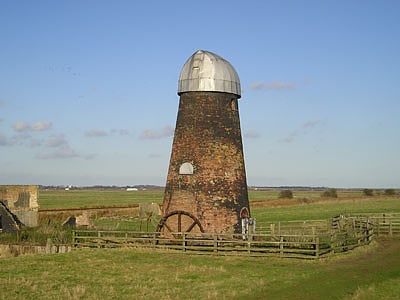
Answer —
208 72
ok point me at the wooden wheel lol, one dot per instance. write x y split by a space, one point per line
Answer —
179 221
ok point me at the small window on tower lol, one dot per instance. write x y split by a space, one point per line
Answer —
186 169
233 105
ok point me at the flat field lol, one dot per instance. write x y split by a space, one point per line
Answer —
367 273
265 205
57 199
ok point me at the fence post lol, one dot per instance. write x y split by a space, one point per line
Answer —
154 240
378 227
390 227
215 242
73 238
184 241
370 233
332 239
317 247
279 228
281 246
249 241
98 240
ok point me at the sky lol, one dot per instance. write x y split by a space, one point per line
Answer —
88 89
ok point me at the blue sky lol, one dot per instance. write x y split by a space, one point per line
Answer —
88 88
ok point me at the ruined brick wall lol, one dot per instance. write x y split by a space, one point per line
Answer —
208 137
22 201
8 221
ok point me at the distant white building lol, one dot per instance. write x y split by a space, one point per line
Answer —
131 189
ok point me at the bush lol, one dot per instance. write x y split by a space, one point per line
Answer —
331 193
288 194
368 192
389 192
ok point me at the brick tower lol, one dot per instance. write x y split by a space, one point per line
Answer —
206 189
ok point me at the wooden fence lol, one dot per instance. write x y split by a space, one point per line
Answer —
386 224
305 246
311 239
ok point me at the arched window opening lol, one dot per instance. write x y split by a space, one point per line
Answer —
233 104
244 213
186 169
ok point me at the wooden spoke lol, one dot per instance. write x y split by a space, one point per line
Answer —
191 227
179 222
176 220
167 227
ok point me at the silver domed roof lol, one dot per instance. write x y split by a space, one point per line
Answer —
208 72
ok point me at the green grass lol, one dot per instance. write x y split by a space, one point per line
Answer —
371 272
125 223
272 194
317 211
52 199
324 209
366 273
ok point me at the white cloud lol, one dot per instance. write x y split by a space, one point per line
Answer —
304 129
120 131
274 85
153 134
101 133
21 126
60 153
33 143
20 139
41 126
62 149
96 133
311 124
55 141
58 143
25 126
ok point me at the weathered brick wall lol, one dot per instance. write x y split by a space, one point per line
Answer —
208 136
22 200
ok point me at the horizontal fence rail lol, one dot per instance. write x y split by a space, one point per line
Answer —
384 224
305 246
301 239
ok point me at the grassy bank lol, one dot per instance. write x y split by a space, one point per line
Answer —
367 273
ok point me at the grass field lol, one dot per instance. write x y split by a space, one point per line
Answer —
50 199
367 273
265 205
